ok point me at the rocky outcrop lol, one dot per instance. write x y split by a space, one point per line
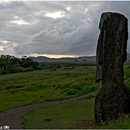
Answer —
113 98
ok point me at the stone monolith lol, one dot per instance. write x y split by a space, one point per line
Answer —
113 98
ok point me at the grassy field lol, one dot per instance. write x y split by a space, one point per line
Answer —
73 115
54 84
60 116
45 85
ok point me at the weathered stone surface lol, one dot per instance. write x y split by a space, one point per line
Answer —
113 98
112 101
111 48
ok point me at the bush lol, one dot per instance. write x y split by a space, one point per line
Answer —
87 89
63 86
58 86
4 71
78 85
72 91
51 66
10 64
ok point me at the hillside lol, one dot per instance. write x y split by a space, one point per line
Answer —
42 58
87 58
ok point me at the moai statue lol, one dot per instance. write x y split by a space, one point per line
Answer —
113 98
111 48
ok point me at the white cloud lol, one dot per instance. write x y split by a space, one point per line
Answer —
16 17
4 2
53 28
68 8
4 42
19 22
55 15
1 48
63 39
86 9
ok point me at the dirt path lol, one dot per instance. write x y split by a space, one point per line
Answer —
13 117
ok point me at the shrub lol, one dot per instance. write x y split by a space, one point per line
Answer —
63 86
87 89
58 86
51 66
3 71
72 91
78 85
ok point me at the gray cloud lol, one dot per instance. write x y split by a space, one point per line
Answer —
33 28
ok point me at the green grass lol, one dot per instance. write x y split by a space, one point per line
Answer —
123 122
126 72
72 115
60 116
40 86
46 85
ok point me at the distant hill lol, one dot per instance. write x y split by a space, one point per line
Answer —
39 58
42 58
88 58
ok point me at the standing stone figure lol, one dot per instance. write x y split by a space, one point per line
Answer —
111 49
113 98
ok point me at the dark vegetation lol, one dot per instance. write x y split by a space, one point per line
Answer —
10 64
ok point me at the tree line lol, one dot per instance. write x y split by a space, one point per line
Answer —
10 64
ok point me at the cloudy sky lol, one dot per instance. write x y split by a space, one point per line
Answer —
53 29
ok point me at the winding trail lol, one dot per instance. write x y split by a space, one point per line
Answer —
13 117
